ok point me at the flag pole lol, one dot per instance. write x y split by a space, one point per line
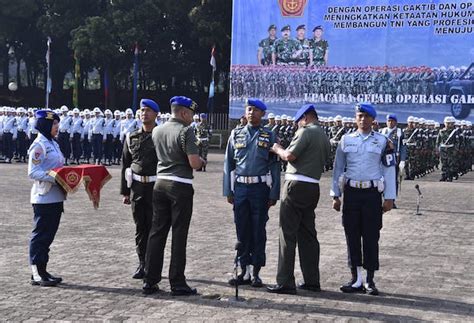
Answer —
212 62
48 72
135 79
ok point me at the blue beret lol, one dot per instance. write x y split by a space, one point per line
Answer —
367 108
203 116
46 114
301 27
272 26
287 27
304 109
256 103
317 27
150 104
184 101
392 116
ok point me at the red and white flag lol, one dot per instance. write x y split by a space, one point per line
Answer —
213 59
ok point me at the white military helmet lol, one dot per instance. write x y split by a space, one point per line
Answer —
277 118
463 122
330 119
289 118
457 122
96 110
421 120
75 110
196 117
70 113
410 119
129 111
168 115
449 119
271 116
108 111
468 123
122 114
283 117
64 108
116 113
81 114
21 110
437 125
416 120
338 118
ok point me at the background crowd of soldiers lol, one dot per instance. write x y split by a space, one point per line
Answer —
84 136
290 84
427 143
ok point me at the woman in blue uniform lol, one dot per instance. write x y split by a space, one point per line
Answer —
46 195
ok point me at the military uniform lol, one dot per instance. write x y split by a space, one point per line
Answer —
9 135
96 135
77 130
64 135
172 200
364 170
252 178
22 136
301 192
447 143
285 49
138 178
319 48
203 134
267 47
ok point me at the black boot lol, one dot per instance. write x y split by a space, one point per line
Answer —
347 288
140 272
256 281
241 280
370 285
58 279
40 276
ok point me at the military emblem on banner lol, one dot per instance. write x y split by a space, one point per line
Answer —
72 179
292 8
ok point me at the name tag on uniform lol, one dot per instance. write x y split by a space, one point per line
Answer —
263 140
239 144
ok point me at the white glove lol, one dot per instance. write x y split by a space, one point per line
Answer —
401 166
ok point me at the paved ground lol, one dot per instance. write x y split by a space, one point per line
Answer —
426 261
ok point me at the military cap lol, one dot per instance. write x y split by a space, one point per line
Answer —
96 110
195 117
271 116
70 113
20 110
304 109
338 118
437 125
87 111
366 108
463 122
75 110
283 117
272 26
64 108
422 120
392 117
108 111
317 27
129 111
410 119
81 114
184 102
150 104
416 120
301 27
277 118
46 114
256 103
330 119
116 113
449 120
203 116
287 27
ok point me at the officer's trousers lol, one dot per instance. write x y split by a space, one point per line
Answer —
250 218
45 225
297 226
172 208
118 146
22 142
76 146
8 145
142 210
108 149
362 221
64 144
97 146
86 147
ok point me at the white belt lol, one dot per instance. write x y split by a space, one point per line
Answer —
176 179
251 179
362 184
300 178
446 146
144 179
203 139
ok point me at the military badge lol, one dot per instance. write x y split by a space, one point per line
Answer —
292 8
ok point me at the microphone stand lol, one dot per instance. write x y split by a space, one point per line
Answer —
238 246
418 200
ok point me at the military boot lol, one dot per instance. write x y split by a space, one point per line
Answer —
369 286
347 288
40 277
256 281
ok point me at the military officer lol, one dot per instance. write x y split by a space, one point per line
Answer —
117 144
138 177
364 172
9 134
447 141
47 196
320 47
305 58
22 137
266 47
395 135
306 155
286 48
271 121
252 186
32 131
64 136
96 135
177 153
203 135
109 137
86 142
76 135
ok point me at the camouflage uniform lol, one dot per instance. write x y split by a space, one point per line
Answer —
268 47
319 48
448 143
303 58
285 49
203 134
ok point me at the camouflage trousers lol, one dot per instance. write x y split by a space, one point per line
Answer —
448 162
203 149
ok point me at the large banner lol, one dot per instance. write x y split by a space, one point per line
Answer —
408 57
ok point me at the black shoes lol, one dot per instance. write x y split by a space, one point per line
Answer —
257 282
183 291
371 289
347 288
43 281
41 277
149 288
239 281
280 289
139 273
311 288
